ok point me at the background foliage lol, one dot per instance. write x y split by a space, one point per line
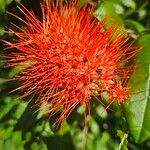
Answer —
126 128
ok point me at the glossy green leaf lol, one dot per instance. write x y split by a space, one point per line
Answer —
137 110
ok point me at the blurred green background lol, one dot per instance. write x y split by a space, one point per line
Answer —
22 129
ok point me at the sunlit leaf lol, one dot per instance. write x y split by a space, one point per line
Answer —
123 136
138 108
129 3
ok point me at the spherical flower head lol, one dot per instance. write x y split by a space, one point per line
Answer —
119 93
71 57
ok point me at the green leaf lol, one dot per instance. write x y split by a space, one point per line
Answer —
123 136
81 109
20 67
101 111
27 119
8 2
119 8
18 1
129 3
2 5
107 9
1 30
138 108
10 102
94 127
142 13
135 25
64 129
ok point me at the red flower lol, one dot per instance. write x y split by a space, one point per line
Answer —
119 93
71 58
